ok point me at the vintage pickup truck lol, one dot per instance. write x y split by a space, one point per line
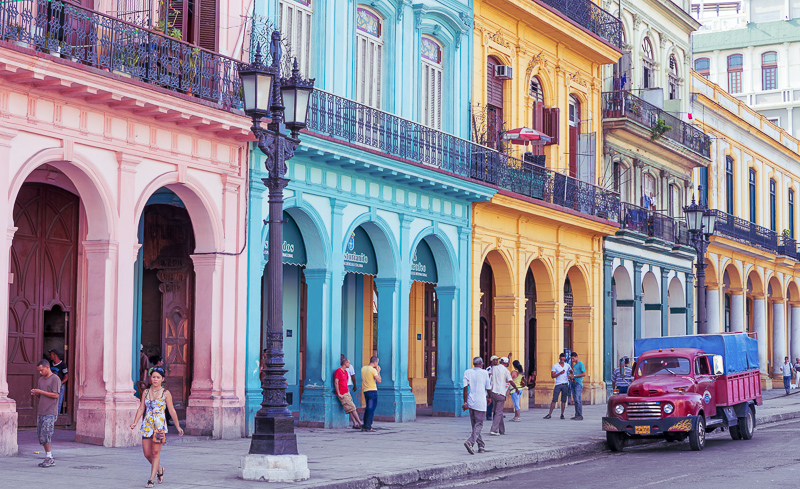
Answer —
687 386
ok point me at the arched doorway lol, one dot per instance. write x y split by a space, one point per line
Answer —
42 292
423 303
486 333
677 307
530 322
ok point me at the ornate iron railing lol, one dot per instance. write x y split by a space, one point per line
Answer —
344 119
592 17
621 104
101 41
749 233
654 224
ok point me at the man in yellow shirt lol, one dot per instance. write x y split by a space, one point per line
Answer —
370 378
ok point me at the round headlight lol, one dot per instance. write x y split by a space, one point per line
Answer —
619 409
668 408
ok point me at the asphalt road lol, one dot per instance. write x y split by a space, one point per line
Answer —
770 460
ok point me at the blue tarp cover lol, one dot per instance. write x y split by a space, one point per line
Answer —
739 351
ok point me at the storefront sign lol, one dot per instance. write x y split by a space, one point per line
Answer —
359 254
294 249
423 266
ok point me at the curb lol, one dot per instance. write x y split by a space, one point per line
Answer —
443 472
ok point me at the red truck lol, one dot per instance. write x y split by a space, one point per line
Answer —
687 386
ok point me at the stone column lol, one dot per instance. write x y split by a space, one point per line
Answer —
737 310
664 302
760 328
549 337
608 333
779 347
448 394
795 330
690 304
637 300
713 321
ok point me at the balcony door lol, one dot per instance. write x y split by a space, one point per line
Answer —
369 57
574 134
196 20
494 104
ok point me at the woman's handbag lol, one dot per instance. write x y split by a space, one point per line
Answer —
160 436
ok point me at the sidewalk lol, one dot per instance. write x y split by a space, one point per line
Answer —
398 454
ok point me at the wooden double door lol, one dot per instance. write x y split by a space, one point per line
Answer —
42 291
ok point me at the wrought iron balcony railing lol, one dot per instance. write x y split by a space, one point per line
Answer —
101 41
754 235
344 119
592 17
654 224
623 104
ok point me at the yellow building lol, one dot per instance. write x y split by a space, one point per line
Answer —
753 261
537 248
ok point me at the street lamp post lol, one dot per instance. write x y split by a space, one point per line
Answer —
273 452
700 220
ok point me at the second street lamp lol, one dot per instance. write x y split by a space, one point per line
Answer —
273 454
701 222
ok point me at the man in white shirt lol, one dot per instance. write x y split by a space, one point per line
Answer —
560 372
797 372
786 369
476 384
499 379
351 375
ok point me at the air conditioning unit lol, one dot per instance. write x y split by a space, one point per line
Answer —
503 72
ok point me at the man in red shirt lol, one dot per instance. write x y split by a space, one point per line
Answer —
343 392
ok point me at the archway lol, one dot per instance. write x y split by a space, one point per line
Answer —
676 297
423 331
651 302
793 294
540 317
622 317
578 334
497 312
732 301
757 315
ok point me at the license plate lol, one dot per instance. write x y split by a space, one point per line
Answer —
642 430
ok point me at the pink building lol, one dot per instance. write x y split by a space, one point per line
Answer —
123 166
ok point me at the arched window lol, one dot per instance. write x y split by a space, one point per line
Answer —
648 64
769 71
369 57
674 93
735 63
702 66
431 54
295 20
537 101
494 103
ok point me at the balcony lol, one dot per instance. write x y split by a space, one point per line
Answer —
592 17
752 234
625 105
343 119
96 40
653 224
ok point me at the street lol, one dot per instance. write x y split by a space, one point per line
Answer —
769 460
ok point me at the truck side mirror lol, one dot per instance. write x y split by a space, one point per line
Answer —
719 369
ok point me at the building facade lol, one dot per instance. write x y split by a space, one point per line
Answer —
124 172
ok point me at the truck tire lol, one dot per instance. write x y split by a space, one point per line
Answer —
735 433
697 437
616 441
747 424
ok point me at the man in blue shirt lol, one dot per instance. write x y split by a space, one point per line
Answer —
576 384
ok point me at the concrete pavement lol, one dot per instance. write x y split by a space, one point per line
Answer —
428 449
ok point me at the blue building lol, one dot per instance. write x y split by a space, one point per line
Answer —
378 211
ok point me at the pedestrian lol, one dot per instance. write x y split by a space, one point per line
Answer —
787 371
351 375
155 400
517 380
476 387
560 372
500 379
531 383
576 384
59 367
622 376
797 372
370 378
49 386
494 360
340 378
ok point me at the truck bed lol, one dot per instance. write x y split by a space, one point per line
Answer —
739 387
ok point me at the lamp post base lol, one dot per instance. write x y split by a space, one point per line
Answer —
274 468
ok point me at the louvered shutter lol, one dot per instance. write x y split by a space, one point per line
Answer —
295 22
538 117
431 95
550 123
369 52
494 86
206 21
178 17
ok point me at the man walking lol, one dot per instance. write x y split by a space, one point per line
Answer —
576 378
494 360
560 372
59 367
341 376
370 378
797 373
786 369
622 376
476 386
47 411
499 385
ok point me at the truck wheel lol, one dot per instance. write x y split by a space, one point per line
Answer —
616 441
735 433
747 424
697 437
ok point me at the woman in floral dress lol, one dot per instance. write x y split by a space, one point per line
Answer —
155 401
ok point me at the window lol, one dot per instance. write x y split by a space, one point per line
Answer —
772 223
701 366
295 23
752 187
431 54
369 57
729 184
727 313
196 20
769 71
674 201
574 134
702 66
649 196
494 104
537 101
648 63
735 62
791 213
674 93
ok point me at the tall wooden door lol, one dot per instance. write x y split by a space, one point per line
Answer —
301 354
431 338
574 135
487 313
42 284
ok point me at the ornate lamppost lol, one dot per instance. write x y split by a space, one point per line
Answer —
700 220
273 452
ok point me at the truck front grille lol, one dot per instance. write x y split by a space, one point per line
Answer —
644 410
